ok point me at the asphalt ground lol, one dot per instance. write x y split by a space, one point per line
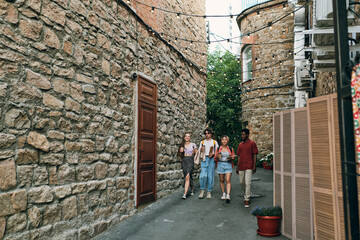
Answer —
174 218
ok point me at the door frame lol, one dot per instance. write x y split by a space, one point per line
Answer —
136 135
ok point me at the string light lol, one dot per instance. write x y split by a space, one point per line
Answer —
270 25
178 15
284 6
152 9
231 39
166 41
205 16
128 1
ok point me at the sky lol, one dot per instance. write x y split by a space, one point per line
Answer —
221 26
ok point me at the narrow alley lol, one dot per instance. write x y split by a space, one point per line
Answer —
174 218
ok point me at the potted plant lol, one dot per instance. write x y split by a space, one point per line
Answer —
268 219
267 161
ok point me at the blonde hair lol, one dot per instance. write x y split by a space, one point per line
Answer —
227 138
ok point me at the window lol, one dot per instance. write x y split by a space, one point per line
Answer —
247 63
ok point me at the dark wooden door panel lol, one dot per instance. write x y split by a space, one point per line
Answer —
148 120
147 152
146 165
147 181
147 91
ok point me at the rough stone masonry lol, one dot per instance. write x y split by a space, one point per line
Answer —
265 96
67 107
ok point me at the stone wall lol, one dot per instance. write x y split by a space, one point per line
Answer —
168 24
272 87
67 108
325 83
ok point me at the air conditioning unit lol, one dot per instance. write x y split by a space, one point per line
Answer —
303 77
324 11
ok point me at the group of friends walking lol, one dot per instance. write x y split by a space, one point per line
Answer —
220 158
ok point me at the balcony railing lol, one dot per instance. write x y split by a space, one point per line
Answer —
249 3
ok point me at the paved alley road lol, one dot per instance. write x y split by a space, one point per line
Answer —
174 218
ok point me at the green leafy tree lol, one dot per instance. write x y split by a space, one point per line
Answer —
223 96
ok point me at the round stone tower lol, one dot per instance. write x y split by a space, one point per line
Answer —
267 67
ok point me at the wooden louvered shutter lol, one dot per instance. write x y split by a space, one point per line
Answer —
277 159
287 179
301 177
337 166
291 173
322 179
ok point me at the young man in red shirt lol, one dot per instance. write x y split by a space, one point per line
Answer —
246 165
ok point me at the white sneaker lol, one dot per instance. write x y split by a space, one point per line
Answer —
202 194
192 193
208 195
223 196
184 196
228 198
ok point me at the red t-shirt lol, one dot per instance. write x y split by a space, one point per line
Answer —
246 151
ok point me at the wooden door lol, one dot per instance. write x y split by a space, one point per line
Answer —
146 164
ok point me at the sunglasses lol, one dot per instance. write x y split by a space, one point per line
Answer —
207 133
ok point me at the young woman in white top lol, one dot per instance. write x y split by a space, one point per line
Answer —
207 173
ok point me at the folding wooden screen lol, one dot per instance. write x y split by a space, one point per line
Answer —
325 167
307 170
291 173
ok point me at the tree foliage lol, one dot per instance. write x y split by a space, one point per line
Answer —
223 95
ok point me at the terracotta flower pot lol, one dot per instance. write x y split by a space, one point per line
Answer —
266 165
268 226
